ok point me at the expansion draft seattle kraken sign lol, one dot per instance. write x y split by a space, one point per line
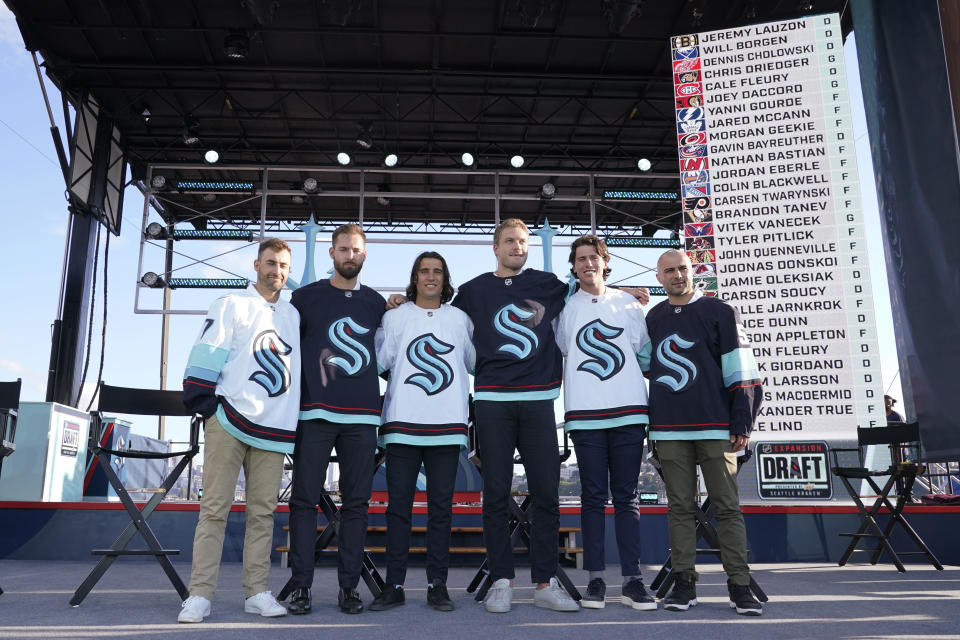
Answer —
793 471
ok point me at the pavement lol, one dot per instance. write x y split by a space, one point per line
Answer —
135 600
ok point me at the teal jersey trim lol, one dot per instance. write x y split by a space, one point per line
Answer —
422 441
256 443
610 423
738 365
498 396
202 374
341 418
643 358
714 434
205 356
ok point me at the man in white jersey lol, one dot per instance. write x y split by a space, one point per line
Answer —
600 334
243 376
427 347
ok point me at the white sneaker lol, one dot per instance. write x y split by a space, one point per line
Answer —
194 609
555 598
499 597
265 604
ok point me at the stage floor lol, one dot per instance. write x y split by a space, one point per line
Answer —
135 600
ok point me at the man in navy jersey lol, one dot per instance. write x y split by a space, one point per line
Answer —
704 397
339 408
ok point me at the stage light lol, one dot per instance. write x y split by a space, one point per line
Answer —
145 113
364 138
467 159
641 242
666 196
155 231
213 185
343 158
298 199
643 164
547 191
208 283
236 45
152 280
212 234
190 132
516 161
310 185
209 197
383 200
211 156
158 182
391 160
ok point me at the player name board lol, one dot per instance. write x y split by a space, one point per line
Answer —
772 216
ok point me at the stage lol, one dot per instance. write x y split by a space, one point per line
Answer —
807 600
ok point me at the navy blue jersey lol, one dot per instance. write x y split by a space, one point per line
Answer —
517 354
339 358
704 382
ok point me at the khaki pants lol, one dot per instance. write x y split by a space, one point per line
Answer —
718 464
223 457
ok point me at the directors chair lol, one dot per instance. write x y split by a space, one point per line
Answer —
903 441
146 402
9 406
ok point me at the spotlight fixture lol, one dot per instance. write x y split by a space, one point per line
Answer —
383 201
209 197
364 138
516 161
143 110
391 160
236 45
152 280
298 199
310 185
155 231
158 182
382 198
211 156
190 131
547 191
343 158
467 159
643 164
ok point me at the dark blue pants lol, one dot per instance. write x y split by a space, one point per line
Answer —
530 428
615 453
356 445
403 466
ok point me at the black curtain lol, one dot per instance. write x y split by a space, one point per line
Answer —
913 139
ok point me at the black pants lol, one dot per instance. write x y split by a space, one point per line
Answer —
530 428
403 466
615 454
356 445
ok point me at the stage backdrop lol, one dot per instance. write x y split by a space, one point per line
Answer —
914 145
773 221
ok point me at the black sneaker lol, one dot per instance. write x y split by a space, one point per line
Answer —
349 600
741 599
391 596
596 595
682 596
437 596
635 595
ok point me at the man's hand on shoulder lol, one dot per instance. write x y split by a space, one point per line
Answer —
395 300
642 294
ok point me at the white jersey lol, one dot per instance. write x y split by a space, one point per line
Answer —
245 365
600 337
429 353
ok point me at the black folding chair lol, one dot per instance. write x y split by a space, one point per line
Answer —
903 441
707 531
518 523
368 570
147 402
9 405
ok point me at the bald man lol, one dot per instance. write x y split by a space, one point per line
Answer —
704 396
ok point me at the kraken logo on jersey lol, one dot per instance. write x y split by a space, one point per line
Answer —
341 334
669 357
268 347
606 358
435 374
507 323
